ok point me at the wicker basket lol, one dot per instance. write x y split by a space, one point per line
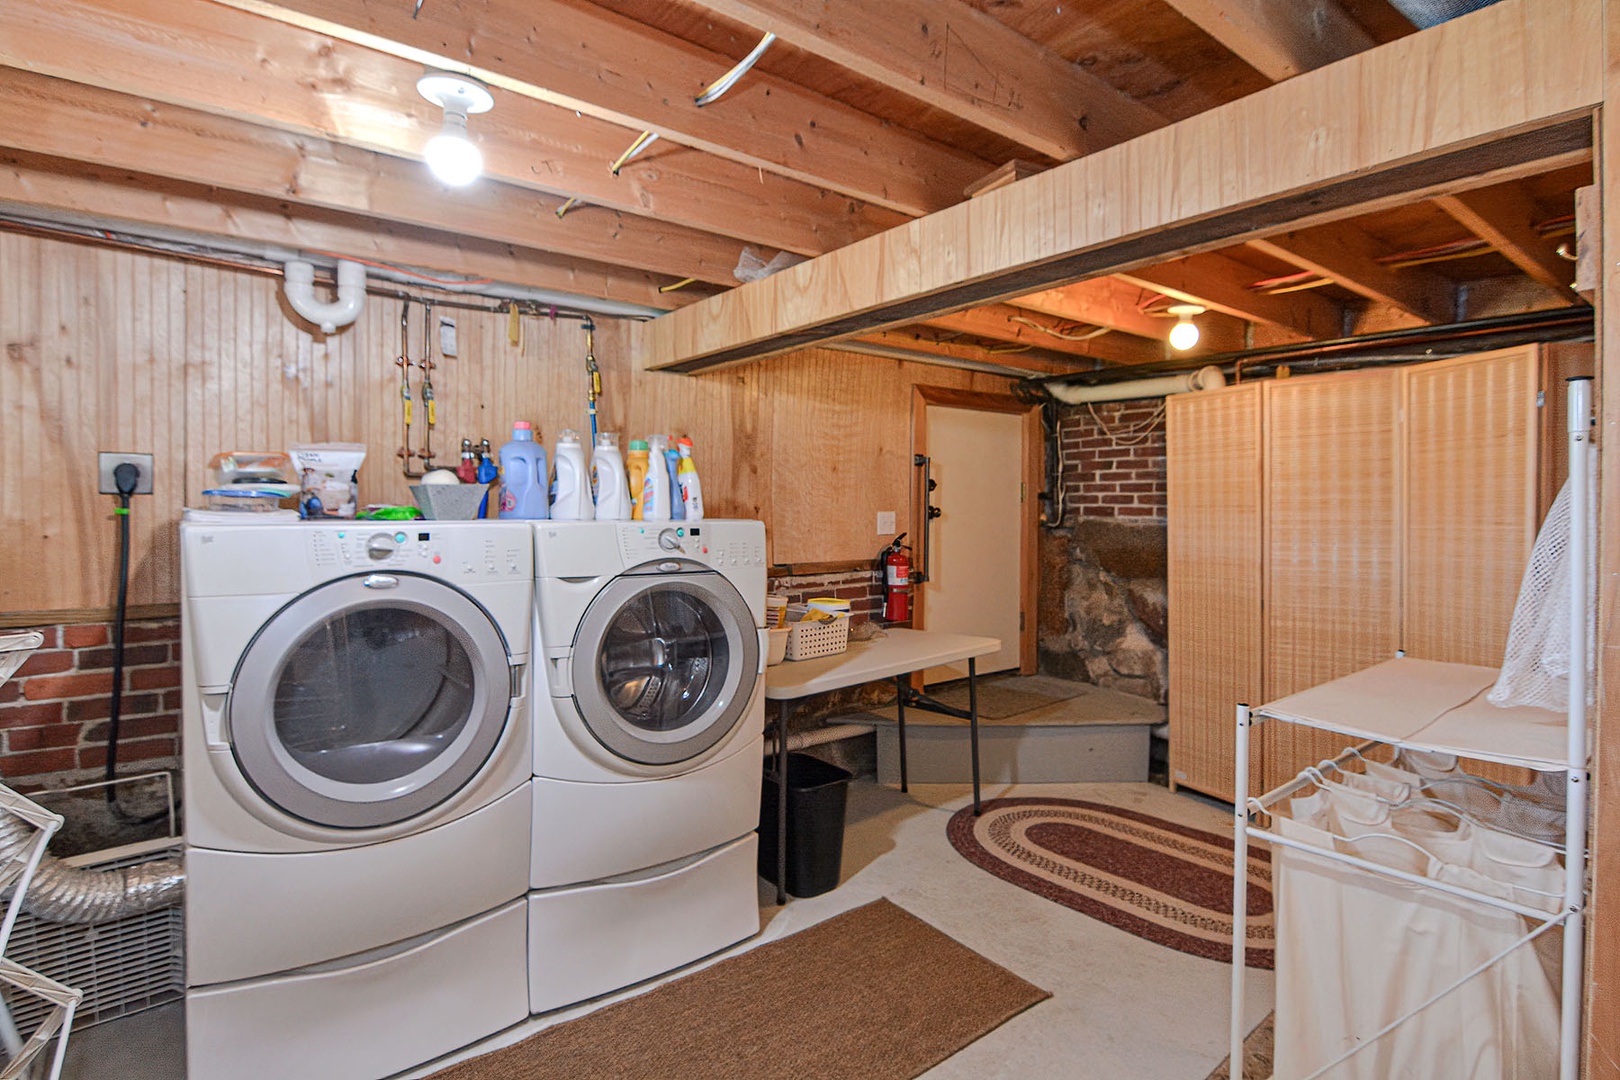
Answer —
809 640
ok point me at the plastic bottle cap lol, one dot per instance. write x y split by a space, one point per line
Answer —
568 435
638 444
684 441
522 425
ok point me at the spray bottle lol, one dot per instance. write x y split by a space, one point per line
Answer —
655 498
607 479
691 487
672 462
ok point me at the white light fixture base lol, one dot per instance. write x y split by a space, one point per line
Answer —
455 93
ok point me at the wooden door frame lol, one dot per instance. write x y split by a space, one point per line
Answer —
1028 527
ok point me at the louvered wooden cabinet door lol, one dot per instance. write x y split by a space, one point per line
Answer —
1214 489
1332 546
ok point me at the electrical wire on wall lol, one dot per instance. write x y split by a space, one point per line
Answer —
1055 499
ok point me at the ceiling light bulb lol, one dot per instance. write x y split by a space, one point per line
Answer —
1184 335
451 155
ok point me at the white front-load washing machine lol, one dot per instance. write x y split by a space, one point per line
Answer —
357 757
649 710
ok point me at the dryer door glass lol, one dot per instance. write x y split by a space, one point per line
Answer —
665 664
369 700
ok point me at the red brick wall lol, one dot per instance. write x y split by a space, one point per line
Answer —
861 588
1115 468
53 711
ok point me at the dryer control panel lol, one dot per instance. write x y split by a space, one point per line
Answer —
714 544
459 555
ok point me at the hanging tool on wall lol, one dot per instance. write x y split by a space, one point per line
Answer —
403 361
429 401
593 375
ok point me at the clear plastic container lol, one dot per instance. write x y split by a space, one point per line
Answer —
251 467
243 499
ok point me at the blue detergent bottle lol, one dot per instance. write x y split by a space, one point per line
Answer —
524 476
672 462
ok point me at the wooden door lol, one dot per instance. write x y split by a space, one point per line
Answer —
1213 458
1332 591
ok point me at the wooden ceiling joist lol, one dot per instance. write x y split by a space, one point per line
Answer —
51 117
1279 38
1324 146
1105 301
1504 217
918 343
1221 283
32 183
259 71
1348 256
956 58
1019 327
584 58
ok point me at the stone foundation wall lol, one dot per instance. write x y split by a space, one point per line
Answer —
1103 603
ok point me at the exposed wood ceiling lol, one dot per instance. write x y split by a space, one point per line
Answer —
297 123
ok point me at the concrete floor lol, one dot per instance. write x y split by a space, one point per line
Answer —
1121 1006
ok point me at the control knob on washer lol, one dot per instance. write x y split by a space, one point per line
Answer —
669 541
381 546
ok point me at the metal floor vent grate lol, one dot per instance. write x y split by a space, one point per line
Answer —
123 965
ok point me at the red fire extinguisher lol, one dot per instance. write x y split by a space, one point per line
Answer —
896 581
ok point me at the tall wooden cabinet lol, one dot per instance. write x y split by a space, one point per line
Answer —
1320 523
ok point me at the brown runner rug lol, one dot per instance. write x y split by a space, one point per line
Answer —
873 994
1153 878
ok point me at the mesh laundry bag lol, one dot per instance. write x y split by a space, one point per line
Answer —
1535 668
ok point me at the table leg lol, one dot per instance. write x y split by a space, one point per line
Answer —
900 724
973 726
782 800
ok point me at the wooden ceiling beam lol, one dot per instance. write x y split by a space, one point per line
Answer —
1016 326
1504 217
922 340
956 58
581 57
62 119
1119 304
1221 283
266 72
1279 38
1345 254
48 185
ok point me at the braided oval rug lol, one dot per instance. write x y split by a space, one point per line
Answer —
1165 882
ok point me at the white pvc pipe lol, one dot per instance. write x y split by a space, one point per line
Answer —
299 279
1580 462
817 736
1240 889
1205 378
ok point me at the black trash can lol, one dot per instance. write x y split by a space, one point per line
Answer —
818 794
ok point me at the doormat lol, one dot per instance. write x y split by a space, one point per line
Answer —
1257 1050
873 994
1153 878
1001 698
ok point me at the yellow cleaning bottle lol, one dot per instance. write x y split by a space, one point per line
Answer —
635 464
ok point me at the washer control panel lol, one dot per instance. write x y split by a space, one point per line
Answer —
699 541
457 555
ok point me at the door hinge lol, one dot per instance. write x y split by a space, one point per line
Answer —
1541 399
1023 492
1020 622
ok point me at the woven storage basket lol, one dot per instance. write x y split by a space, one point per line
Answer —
809 640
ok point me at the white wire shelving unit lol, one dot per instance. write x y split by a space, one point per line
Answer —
1425 705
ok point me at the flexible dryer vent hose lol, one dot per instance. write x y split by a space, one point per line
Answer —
67 894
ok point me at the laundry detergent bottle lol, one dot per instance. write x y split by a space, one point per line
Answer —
687 474
655 495
635 466
572 501
523 475
672 462
607 479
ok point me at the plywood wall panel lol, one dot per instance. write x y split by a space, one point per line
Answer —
117 350
1215 484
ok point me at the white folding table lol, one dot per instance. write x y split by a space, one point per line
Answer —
897 654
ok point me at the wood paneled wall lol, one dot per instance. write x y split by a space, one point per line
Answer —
106 349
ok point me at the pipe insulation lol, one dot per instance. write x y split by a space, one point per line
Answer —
1205 378
65 894
798 740
329 315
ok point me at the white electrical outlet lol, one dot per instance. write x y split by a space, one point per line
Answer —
885 523
107 461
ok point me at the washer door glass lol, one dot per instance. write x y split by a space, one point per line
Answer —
665 664
369 700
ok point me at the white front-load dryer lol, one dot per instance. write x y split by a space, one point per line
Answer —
357 756
649 717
